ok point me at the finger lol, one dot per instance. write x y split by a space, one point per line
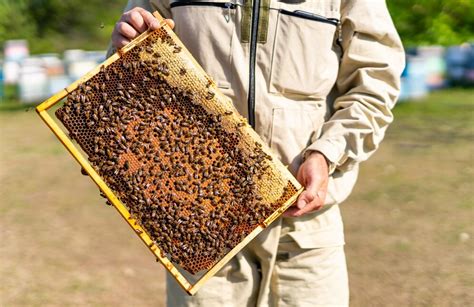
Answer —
307 201
304 198
119 41
170 23
290 212
310 192
315 205
150 20
135 19
126 30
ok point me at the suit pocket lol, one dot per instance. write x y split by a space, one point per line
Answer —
305 59
207 29
293 129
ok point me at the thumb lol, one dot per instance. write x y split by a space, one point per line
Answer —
305 198
309 194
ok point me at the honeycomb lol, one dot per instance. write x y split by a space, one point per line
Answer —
175 152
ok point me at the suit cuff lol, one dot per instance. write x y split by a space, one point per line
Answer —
334 154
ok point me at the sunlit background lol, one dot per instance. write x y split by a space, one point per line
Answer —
409 223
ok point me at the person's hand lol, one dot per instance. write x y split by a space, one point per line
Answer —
133 23
313 174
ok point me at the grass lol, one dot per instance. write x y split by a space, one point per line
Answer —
61 245
411 207
409 228
10 102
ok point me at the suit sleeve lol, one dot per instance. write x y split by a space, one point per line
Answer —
368 84
150 6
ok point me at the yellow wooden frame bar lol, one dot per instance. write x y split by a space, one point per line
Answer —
191 289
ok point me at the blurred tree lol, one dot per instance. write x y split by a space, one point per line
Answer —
433 22
13 20
55 25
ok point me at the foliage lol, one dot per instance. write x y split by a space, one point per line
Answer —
433 22
56 25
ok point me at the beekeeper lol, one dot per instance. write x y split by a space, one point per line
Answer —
317 80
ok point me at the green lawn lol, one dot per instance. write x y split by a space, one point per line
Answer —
409 222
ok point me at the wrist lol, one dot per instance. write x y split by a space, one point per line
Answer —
318 156
321 159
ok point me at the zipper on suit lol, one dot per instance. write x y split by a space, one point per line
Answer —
339 34
311 16
225 5
253 57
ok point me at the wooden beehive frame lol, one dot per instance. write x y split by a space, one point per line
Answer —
191 289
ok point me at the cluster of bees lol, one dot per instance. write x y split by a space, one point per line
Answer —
176 167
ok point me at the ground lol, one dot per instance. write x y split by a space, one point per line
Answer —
409 222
